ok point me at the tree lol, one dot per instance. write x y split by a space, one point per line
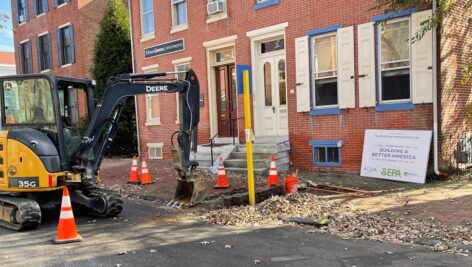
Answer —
113 57
443 8
4 18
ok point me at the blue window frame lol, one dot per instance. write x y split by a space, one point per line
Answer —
326 152
265 3
180 12
21 11
147 17
324 74
40 7
65 45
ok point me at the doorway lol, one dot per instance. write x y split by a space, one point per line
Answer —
272 88
226 96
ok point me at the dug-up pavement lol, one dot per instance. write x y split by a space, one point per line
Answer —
398 225
437 215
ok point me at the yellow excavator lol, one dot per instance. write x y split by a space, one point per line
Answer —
54 136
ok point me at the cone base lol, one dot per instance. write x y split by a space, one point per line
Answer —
220 186
146 183
70 240
138 183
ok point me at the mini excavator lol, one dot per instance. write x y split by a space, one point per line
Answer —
54 136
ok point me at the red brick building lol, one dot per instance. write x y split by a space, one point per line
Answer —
322 72
455 52
56 36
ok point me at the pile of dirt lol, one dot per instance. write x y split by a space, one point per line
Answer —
348 224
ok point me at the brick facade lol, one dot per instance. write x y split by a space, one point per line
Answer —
83 15
455 51
301 16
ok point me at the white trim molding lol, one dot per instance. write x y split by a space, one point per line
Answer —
181 60
221 41
150 67
267 30
64 25
211 47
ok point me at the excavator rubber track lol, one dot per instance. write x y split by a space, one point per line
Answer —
19 213
113 202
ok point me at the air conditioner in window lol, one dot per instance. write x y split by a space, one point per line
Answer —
216 6
22 18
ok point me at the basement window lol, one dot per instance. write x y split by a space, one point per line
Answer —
155 150
326 152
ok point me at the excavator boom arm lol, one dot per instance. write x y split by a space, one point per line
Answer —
104 120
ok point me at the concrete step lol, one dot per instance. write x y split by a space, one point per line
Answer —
242 163
258 171
268 156
265 148
226 140
217 148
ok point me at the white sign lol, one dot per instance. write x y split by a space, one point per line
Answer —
398 155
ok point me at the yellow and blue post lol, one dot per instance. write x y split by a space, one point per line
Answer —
248 133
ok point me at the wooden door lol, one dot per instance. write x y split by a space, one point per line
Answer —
226 100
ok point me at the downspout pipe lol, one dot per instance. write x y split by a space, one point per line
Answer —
435 97
134 71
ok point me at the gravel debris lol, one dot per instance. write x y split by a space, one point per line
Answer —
344 222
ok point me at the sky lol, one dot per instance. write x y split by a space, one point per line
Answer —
6 35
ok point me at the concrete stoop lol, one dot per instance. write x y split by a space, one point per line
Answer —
234 156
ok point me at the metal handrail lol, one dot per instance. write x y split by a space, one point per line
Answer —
212 139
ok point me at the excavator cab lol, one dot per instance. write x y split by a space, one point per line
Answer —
57 107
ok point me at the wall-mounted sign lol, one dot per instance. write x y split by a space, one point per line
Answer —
398 155
165 48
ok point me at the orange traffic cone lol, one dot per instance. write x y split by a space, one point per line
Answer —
134 175
273 179
145 176
66 230
221 180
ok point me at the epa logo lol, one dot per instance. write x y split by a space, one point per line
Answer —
391 172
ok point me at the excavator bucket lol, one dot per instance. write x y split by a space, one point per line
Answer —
191 188
191 192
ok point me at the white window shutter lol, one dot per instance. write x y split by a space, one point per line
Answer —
346 85
303 74
366 52
422 60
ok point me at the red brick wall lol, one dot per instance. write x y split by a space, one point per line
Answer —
84 15
455 51
301 16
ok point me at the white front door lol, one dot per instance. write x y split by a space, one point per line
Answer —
272 96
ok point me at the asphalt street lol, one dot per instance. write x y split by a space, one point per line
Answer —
147 234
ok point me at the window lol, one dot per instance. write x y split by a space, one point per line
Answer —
21 11
268 84
272 46
60 2
153 110
147 17
155 150
179 8
44 52
26 64
394 66
28 101
181 76
282 83
325 74
65 45
265 3
326 153
40 7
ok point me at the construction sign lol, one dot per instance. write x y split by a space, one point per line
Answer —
398 155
